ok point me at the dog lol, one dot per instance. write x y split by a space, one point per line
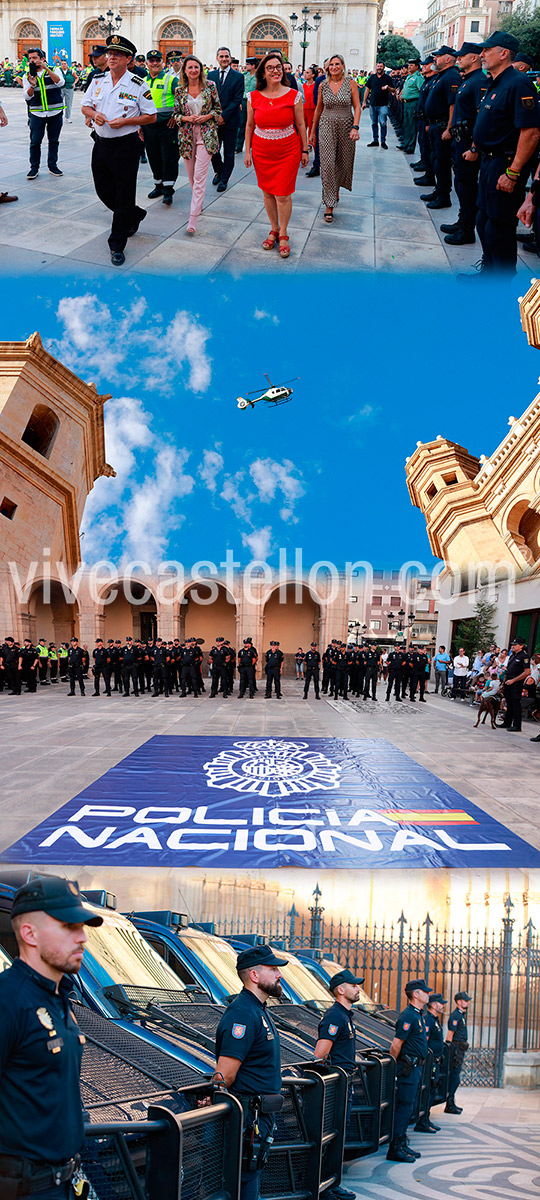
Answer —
491 705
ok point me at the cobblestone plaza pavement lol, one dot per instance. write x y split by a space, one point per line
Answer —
54 746
59 225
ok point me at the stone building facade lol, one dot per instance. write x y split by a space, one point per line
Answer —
483 517
200 26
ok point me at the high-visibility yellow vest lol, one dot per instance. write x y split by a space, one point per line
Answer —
162 89
42 652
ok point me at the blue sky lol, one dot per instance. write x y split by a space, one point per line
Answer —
383 363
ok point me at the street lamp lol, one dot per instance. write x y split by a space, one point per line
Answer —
110 23
303 27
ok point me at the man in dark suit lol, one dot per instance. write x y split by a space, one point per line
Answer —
230 86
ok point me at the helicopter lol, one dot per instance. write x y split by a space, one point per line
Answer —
273 395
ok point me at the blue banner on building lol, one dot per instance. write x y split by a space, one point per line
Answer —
58 42
325 803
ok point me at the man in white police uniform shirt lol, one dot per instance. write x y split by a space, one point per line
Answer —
117 103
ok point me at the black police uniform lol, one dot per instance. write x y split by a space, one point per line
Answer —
341 681
438 103
247 1032
160 678
435 1039
188 669
10 662
516 665
417 677
102 667
411 1030
394 663
406 670
247 658
423 134
273 659
230 667
468 99
337 1026
509 105
218 658
116 654
457 1024
327 669
129 658
27 658
371 673
312 663
75 669
41 1120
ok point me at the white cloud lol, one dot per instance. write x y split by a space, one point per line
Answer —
210 468
150 513
260 314
97 340
272 478
232 495
259 542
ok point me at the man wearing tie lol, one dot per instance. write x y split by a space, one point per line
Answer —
230 86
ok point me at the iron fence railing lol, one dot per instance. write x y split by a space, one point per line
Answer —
499 968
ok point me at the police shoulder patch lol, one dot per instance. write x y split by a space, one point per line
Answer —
527 101
406 1025
332 1029
137 79
238 1031
454 1022
147 95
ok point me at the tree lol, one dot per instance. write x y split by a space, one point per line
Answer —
524 23
477 632
395 51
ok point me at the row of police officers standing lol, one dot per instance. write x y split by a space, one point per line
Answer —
41 1117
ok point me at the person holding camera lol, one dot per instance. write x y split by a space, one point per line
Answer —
249 1061
42 87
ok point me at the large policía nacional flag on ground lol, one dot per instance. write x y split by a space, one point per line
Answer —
271 802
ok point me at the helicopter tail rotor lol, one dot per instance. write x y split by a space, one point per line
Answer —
241 403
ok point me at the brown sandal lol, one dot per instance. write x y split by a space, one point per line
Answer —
271 240
284 251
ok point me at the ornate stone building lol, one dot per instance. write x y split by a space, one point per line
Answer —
52 449
483 516
200 26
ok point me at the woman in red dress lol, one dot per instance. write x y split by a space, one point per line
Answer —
276 142
309 107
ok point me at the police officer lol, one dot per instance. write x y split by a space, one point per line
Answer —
161 140
247 657
458 1043
371 672
327 670
63 661
248 1058
517 669
506 134
417 676
160 660
98 58
312 664
188 668
466 105
129 659
114 648
118 103
102 667
394 664
218 659
28 665
337 1040
409 1048
230 666
429 74
435 1039
10 665
274 666
439 107
41 1046
75 667
43 664
341 678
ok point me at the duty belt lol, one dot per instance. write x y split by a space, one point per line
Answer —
509 154
462 132
413 1061
26 1176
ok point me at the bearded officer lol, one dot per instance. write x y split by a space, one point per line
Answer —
409 1048
435 1040
248 1058
337 1040
41 1116
118 103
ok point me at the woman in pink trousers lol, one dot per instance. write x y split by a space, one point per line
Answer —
196 111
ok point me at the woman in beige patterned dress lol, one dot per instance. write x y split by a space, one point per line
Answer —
338 132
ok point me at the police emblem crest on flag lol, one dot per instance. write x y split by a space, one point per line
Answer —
272 767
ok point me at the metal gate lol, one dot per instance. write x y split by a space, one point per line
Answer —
499 969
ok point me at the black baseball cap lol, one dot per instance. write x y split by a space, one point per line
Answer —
154 56
462 996
259 956
437 998
97 51
469 48
416 985
58 897
445 50
524 58
344 976
506 41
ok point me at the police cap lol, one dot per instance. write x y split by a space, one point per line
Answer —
416 61
427 62
313 643
118 42
416 985
97 51
462 996
174 54
246 641
445 50
524 58
506 41
60 898
468 48
154 56
344 976
252 61
259 956
437 998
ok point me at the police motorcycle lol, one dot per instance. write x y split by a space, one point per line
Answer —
199 956
144 1026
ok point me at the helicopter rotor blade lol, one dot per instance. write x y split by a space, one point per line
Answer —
268 378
